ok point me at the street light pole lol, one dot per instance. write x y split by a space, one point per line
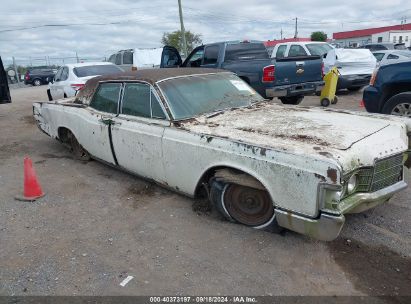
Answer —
183 33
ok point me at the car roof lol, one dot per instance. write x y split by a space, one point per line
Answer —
148 75
302 42
81 64
398 52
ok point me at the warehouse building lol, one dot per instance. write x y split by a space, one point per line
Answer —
400 33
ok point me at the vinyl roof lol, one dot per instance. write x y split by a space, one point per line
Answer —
149 75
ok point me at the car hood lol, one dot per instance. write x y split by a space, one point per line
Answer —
288 127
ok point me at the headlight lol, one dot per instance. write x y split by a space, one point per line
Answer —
352 184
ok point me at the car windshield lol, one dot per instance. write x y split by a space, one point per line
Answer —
193 95
318 49
94 70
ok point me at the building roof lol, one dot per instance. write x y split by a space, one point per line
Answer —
275 42
370 31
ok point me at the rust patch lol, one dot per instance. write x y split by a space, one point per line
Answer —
332 174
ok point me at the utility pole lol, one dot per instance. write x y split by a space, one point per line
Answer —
296 25
281 33
15 70
77 58
183 33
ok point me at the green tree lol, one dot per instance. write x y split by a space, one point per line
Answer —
174 39
318 36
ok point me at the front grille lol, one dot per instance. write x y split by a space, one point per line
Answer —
387 172
364 179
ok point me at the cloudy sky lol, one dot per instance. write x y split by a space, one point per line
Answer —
31 30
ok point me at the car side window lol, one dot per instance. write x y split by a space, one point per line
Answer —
58 74
118 59
296 50
128 57
139 100
156 110
106 97
64 74
112 58
211 54
195 59
391 56
136 100
281 51
378 56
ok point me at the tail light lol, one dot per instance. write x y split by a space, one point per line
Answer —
268 73
374 77
77 86
27 76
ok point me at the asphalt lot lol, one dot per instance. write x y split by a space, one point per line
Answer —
97 225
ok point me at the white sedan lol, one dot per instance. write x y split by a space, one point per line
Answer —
71 78
205 132
391 56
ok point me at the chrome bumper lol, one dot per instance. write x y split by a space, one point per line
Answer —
327 227
295 89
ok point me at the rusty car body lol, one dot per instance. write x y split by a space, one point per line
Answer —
206 132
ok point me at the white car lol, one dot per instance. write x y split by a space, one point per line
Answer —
71 78
391 56
296 49
205 132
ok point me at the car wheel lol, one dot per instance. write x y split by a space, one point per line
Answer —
78 151
37 82
399 105
295 100
244 205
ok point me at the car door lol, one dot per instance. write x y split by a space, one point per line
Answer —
211 55
195 59
138 130
63 83
55 84
170 57
95 134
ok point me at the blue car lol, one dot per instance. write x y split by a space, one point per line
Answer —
389 91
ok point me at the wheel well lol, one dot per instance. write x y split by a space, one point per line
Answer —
393 89
225 173
246 79
63 134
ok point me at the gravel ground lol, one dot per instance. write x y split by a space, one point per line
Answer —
97 225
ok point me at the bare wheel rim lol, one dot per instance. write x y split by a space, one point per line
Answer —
402 109
248 206
37 82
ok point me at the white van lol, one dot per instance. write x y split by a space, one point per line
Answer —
145 58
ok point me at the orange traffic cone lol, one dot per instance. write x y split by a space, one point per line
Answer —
32 188
362 104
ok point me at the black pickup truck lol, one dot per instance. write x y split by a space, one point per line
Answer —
289 79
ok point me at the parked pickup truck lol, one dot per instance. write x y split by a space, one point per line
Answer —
289 79
206 133
389 91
